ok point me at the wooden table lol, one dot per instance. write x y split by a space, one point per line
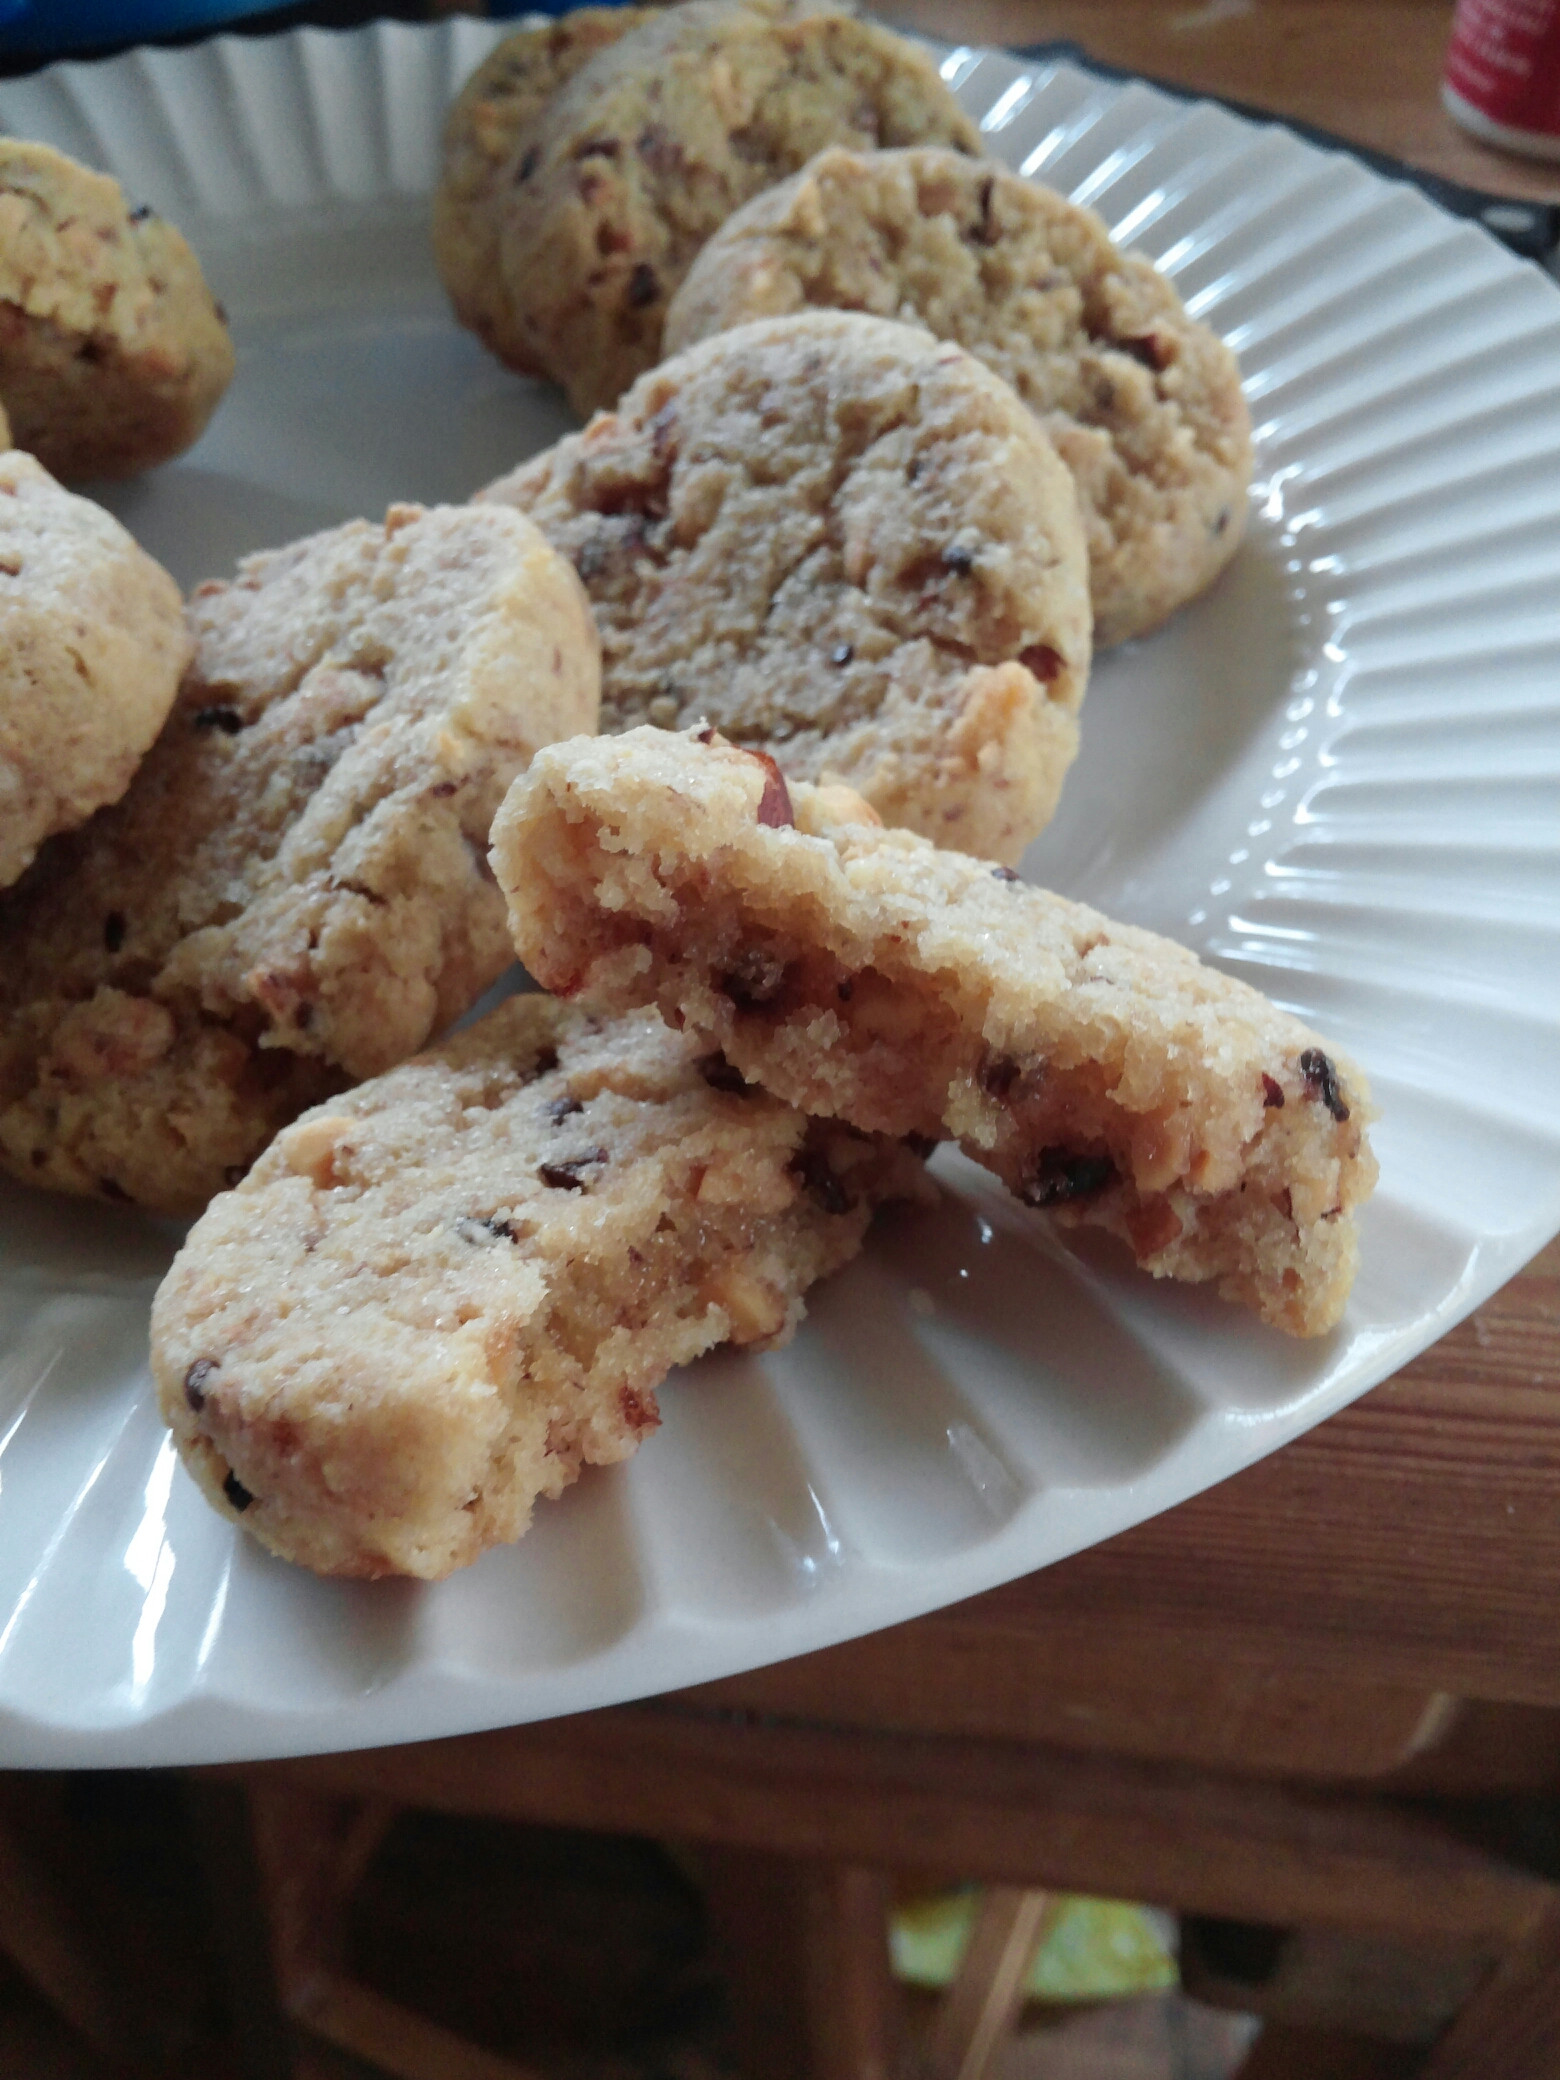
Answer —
1266 1705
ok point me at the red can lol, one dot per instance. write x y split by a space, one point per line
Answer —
1502 78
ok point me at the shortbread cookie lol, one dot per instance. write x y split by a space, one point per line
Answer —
438 1298
845 543
92 643
113 353
505 94
1100 1071
611 192
294 891
1143 403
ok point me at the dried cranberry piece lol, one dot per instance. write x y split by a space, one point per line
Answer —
1272 1093
1043 661
774 804
228 720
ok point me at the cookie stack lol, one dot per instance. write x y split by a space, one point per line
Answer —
730 712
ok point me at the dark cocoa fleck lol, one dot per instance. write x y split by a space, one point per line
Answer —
1104 395
195 1382
659 149
236 1493
1321 1082
719 1074
1005 874
546 1060
140 213
1272 1094
812 1167
845 990
842 653
1058 1177
40 1156
921 1145
441 790
228 720
985 231
1150 349
111 1188
1223 520
1284 1201
113 931
598 148
754 979
566 1176
913 469
959 559
998 1075
235 1173
644 286
529 161
1043 661
563 1108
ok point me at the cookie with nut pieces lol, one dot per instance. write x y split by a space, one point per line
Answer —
1101 1071
1143 403
844 542
437 1299
294 891
113 351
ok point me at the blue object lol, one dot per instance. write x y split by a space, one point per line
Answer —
50 26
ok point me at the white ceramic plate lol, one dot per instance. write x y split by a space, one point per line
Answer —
1337 776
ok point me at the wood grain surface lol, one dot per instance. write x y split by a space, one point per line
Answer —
1368 70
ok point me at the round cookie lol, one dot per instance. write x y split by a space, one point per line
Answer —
443 1296
650 147
847 543
294 891
113 353
1144 404
505 94
92 645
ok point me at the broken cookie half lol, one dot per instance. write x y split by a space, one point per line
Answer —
1102 1072
440 1296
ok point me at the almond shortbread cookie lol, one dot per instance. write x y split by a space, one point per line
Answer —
1143 403
113 352
651 145
294 892
504 96
846 543
441 1296
1102 1072
92 644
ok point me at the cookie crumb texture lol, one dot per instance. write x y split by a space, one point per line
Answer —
608 196
504 96
1144 404
92 645
113 352
835 537
294 891
1102 1072
439 1297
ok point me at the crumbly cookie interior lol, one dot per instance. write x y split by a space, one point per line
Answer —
438 1298
1102 1072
